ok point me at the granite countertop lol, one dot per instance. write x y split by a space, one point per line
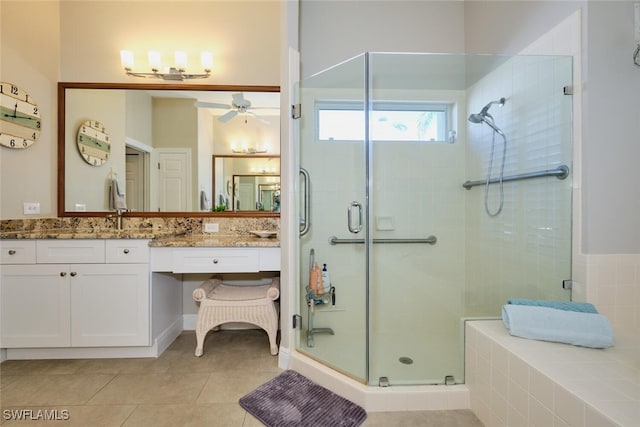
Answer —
207 240
86 233
157 238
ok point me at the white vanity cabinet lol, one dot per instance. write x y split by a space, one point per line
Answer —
74 293
36 309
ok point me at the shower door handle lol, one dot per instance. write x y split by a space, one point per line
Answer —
358 227
305 222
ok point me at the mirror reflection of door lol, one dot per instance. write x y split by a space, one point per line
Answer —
246 200
136 182
174 179
267 197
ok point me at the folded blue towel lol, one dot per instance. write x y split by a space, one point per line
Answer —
584 307
550 324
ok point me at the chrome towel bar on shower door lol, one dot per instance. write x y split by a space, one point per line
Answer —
431 240
305 222
561 172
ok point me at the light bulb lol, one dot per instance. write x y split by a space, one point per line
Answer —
181 59
126 59
207 60
155 60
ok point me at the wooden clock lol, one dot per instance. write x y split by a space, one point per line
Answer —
20 120
93 143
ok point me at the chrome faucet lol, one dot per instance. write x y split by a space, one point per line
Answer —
118 216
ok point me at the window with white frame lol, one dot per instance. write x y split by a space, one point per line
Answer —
406 121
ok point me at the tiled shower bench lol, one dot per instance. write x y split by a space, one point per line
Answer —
521 382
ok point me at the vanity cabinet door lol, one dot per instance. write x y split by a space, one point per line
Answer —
110 305
35 306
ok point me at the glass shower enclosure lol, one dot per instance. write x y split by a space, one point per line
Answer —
386 143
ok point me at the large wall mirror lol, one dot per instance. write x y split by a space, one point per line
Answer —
168 149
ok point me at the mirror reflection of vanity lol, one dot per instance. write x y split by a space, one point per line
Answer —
154 144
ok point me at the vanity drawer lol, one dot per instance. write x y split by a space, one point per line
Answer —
216 260
75 251
270 259
127 251
18 251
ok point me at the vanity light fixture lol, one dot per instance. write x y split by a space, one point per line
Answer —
173 73
245 149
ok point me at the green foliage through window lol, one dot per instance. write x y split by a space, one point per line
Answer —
389 121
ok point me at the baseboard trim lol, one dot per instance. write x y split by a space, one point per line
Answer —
81 353
284 358
189 322
164 339
169 335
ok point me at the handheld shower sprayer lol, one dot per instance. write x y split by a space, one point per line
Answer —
484 117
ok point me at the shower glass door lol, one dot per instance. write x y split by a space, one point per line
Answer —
417 262
332 204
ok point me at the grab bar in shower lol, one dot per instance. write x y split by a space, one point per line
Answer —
561 172
431 240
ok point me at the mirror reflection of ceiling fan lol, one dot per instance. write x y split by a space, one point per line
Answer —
239 105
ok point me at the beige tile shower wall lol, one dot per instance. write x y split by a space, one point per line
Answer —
525 250
613 285
541 262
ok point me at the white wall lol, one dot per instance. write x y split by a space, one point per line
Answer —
334 31
611 132
510 26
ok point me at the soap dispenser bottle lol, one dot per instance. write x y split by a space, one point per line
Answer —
315 279
326 281
320 282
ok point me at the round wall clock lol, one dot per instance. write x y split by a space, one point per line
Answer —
93 143
20 120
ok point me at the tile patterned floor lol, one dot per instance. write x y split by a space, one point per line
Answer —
176 389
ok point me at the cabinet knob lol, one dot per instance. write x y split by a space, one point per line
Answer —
215 260
74 274
63 273
126 251
12 251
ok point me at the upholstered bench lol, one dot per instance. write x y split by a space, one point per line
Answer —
222 303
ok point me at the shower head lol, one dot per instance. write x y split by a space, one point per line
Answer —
476 118
484 113
481 117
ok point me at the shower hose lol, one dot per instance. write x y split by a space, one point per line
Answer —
486 187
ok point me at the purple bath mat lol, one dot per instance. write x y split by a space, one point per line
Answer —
291 399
